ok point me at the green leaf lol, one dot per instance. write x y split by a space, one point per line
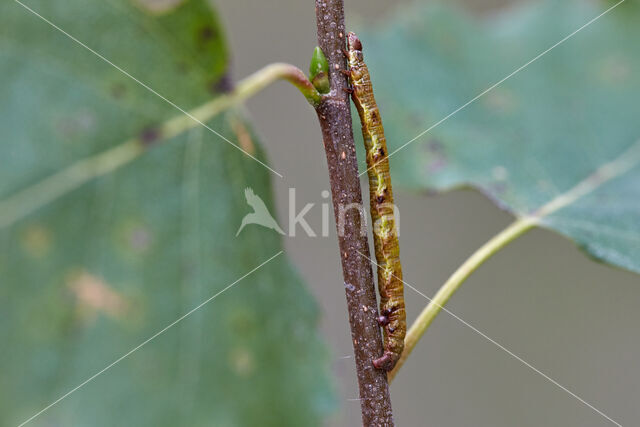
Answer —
117 246
557 141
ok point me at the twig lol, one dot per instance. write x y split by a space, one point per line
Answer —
334 115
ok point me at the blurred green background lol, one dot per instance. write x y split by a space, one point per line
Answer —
542 298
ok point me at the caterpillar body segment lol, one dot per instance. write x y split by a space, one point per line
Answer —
392 307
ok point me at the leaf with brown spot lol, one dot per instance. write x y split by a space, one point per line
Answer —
94 295
153 238
242 135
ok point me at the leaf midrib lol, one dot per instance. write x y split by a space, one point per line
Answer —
603 174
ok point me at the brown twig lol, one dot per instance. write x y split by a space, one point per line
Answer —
334 115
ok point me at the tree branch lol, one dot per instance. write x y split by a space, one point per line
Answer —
334 114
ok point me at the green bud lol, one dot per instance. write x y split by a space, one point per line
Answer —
319 71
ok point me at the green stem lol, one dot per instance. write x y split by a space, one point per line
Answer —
245 89
429 313
28 200
296 77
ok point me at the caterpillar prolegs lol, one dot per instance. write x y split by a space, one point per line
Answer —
385 238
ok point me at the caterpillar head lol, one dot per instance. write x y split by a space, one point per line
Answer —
353 42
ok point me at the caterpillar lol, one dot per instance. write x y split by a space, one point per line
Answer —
385 238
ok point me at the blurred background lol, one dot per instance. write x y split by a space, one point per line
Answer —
544 300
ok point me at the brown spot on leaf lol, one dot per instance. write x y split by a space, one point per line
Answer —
242 362
243 324
134 237
36 240
149 135
242 135
435 146
118 90
182 67
207 33
223 85
94 295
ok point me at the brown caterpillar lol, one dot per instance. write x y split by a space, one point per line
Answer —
392 312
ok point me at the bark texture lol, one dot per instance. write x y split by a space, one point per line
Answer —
334 114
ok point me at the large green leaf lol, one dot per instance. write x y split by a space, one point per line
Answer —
104 266
556 141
